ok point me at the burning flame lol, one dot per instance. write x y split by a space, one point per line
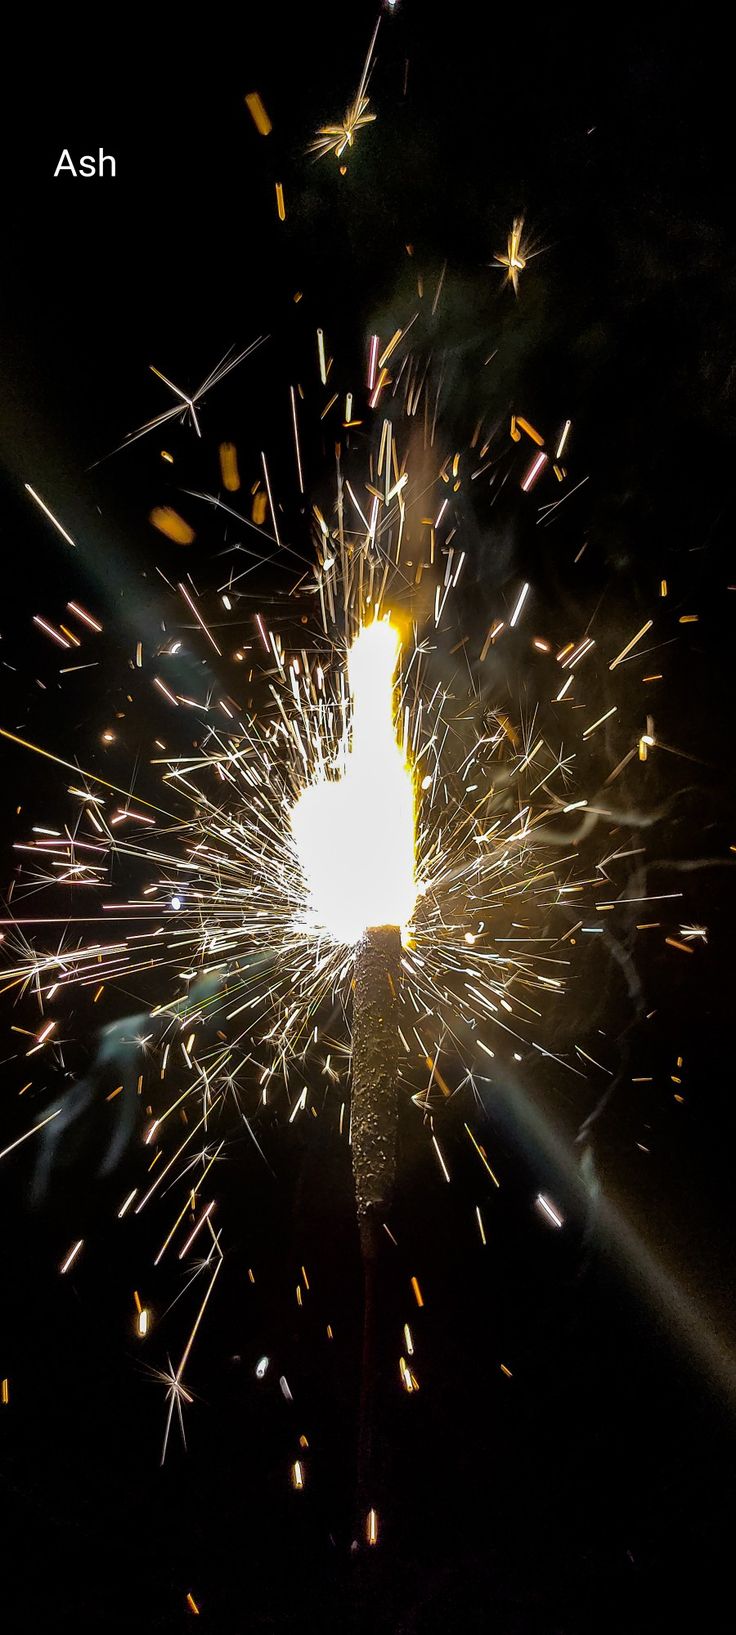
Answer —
355 836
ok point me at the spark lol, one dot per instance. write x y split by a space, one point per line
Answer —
627 649
68 1262
43 507
549 1210
523 593
535 470
87 618
186 405
338 138
694 933
258 113
27 1136
516 254
563 439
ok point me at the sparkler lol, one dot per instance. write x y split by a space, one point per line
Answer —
338 828
273 868
279 865
371 813
394 875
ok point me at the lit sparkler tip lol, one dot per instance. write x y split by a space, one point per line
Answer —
340 826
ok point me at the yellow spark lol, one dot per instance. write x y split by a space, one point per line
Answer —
600 720
536 436
229 467
436 1075
168 522
408 1379
337 138
258 113
515 258
482 1156
627 649
563 439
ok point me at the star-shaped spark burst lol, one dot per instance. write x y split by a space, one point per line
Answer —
186 404
337 138
176 1395
172 1378
516 255
694 933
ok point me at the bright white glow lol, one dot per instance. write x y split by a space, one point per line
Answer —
523 593
355 836
548 1209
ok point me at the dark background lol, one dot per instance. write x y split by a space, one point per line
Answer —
592 1490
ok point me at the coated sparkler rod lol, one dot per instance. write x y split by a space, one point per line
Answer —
374 1123
374 1075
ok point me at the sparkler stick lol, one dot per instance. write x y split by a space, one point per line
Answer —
369 813
375 1067
374 1124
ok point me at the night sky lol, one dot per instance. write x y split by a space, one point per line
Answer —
592 1489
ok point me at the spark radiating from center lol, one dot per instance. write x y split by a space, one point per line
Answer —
355 834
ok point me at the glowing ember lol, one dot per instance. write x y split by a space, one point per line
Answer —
368 814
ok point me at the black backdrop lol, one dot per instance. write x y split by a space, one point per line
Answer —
592 1491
